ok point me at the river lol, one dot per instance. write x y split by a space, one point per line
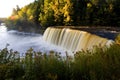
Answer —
21 41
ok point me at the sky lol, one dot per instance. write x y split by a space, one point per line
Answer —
6 6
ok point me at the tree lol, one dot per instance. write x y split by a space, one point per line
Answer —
116 12
57 7
47 14
79 7
68 12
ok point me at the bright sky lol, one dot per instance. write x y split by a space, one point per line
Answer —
6 6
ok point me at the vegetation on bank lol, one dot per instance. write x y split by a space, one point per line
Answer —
100 64
65 12
117 39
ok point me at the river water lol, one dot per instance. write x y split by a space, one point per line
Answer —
21 41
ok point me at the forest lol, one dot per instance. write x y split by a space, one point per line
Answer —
44 13
100 63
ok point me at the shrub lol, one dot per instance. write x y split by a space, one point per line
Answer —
10 65
98 64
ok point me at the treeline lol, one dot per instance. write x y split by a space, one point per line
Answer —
2 20
66 12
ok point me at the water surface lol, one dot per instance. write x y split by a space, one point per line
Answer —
21 41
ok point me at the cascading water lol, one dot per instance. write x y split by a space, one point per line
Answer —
21 41
74 40
63 40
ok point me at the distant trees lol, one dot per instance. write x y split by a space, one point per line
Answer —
66 12
2 20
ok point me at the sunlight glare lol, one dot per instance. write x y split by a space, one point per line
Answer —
6 6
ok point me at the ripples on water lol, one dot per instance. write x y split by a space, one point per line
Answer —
21 41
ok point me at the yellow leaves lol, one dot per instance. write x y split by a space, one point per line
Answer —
29 11
20 13
89 5
53 7
31 17
67 11
24 9
61 10
16 16
67 16
68 1
56 3
95 2
65 7
68 19
57 9
111 7
117 39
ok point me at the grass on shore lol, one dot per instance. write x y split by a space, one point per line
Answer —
100 64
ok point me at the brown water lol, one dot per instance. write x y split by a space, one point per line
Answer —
74 40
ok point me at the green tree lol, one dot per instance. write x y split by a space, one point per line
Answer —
46 16
15 10
79 7
66 12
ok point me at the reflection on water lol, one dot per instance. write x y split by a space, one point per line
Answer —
21 41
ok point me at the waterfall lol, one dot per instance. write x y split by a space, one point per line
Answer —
74 40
